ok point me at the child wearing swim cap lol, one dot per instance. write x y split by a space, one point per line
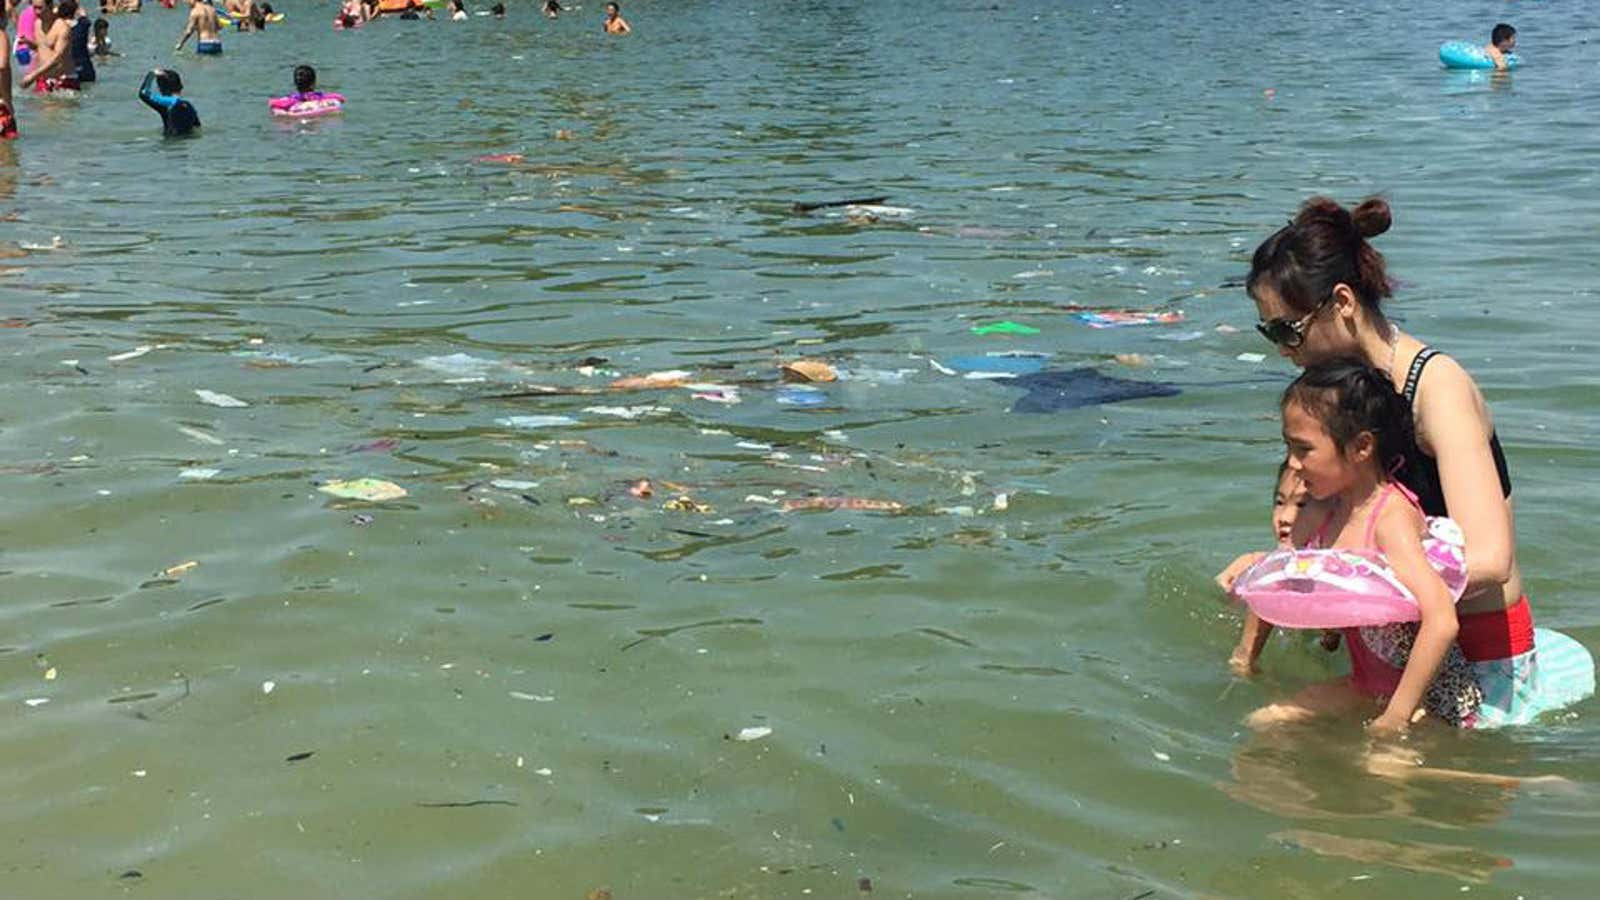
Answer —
1346 428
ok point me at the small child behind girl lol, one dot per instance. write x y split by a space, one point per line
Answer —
1345 428
1289 502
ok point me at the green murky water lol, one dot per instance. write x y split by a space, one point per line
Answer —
1013 686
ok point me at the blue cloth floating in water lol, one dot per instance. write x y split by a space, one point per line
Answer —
1057 390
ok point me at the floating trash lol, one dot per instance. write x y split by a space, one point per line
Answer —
862 504
801 396
532 423
1054 391
1124 318
372 490
804 370
214 398
1004 327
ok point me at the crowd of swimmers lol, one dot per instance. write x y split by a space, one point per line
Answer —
57 43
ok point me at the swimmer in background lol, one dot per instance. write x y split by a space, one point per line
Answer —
1502 40
615 23
62 63
498 10
100 40
239 12
458 12
552 8
160 91
351 14
205 28
1289 502
8 118
32 23
305 89
411 10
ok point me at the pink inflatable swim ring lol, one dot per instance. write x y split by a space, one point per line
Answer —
1347 588
307 105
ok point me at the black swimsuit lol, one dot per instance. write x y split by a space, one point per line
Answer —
1419 471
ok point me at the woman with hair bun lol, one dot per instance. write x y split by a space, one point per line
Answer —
1319 286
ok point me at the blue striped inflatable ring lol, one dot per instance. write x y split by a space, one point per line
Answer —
1467 55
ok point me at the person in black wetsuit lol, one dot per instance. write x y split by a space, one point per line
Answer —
160 92
78 40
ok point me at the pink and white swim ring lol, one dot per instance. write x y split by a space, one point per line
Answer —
307 105
1315 588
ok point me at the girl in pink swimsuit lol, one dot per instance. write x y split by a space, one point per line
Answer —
1345 428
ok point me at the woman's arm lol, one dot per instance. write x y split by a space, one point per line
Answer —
1399 536
1454 426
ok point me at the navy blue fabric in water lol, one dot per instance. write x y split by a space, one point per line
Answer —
1056 391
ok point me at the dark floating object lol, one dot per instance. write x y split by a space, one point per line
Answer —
803 208
296 757
1054 391
462 804
132 873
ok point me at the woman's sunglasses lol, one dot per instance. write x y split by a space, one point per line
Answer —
1290 333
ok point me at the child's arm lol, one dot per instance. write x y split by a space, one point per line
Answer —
188 30
1255 633
1251 639
1228 576
1399 536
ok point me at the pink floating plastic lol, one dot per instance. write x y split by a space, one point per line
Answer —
1346 588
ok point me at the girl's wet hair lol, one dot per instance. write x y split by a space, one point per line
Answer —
305 78
169 82
1324 246
1348 397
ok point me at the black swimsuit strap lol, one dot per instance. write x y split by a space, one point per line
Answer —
1415 373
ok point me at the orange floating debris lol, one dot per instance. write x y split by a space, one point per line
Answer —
807 370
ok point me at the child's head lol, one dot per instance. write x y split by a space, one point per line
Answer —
1288 498
169 82
101 27
1504 37
67 9
499 10
1343 420
305 79
612 9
